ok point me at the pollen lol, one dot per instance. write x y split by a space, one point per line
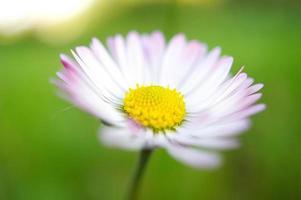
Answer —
156 107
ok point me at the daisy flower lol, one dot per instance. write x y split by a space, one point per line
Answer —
150 94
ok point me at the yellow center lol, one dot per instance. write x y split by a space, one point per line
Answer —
156 107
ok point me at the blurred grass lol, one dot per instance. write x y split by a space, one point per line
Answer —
49 149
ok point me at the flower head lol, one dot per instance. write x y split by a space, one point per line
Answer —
151 94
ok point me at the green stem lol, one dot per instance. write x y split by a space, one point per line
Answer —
138 173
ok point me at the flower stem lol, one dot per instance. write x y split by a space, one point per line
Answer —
138 173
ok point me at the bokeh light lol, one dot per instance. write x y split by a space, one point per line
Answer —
42 16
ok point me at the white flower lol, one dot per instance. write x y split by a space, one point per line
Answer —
153 94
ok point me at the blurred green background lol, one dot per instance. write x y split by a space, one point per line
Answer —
49 149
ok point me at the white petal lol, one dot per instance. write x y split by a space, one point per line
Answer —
208 87
193 53
239 80
154 46
69 63
219 129
197 104
193 157
123 137
96 73
136 58
185 62
210 143
81 92
249 100
118 48
237 106
235 103
108 63
255 88
73 74
200 72
89 101
170 63
170 60
247 112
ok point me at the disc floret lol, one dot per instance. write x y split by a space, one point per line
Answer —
156 107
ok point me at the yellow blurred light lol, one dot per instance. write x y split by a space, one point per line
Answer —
179 2
17 16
